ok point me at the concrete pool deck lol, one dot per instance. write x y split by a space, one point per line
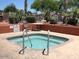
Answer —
68 50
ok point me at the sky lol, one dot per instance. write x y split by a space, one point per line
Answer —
18 3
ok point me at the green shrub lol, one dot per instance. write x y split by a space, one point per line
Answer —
53 22
72 21
30 19
1 18
13 20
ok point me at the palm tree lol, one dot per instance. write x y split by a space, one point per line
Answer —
25 6
68 4
63 4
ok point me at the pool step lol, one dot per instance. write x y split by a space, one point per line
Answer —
56 41
51 40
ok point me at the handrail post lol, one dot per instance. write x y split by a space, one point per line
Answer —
48 44
43 52
23 41
23 45
28 37
23 48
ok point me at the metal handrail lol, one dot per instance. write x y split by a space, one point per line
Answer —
22 50
28 37
48 43
43 52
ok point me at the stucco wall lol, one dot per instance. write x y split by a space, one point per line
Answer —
67 29
6 28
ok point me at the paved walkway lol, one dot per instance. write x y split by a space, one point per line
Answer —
68 50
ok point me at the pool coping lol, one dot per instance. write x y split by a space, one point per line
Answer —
71 38
11 35
39 33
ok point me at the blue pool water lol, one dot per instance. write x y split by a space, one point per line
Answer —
39 41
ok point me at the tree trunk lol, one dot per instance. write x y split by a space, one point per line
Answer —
25 6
